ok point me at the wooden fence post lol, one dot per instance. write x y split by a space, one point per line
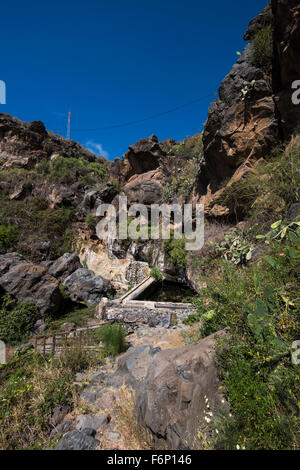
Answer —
53 346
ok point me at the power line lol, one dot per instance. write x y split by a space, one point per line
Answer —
130 123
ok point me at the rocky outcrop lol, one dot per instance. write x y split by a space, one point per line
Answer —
142 157
145 188
238 129
254 110
286 68
29 282
62 267
180 390
23 144
177 391
86 288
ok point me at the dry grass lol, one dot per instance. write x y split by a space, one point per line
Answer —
134 436
30 388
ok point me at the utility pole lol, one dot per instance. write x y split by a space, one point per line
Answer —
69 125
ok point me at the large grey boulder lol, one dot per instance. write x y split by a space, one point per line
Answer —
84 287
29 282
132 366
62 267
75 440
91 422
179 393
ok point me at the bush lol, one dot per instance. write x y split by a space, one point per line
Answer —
16 320
155 272
270 188
69 170
262 47
91 221
181 167
175 251
8 235
113 339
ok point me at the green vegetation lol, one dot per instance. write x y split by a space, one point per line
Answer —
8 235
156 273
175 251
91 221
262 47
37 223
181 167
30 388
269 189
234 248
78 316
16 320
260 308
113 338
69 170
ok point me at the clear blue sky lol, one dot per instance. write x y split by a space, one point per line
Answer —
114 61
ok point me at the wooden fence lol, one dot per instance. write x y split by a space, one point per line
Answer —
54 345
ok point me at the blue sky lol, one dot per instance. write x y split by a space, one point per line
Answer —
115 61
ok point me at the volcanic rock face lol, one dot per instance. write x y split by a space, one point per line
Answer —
64 266
29 282
142 158
180 388
243 128
22 144
286 61
238 129
84 287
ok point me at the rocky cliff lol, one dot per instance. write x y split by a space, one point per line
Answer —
254 110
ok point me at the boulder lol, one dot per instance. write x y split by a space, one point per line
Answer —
62 428
144 189
29 282
86 288
132 366
91 422
64 266
144 155
75 440
58 414
179 391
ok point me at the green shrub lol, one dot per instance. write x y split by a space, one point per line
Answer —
16 320
69 170
181 167
262 47
113 338
270 188
234 248
8 235
155 272
175 251
91 221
